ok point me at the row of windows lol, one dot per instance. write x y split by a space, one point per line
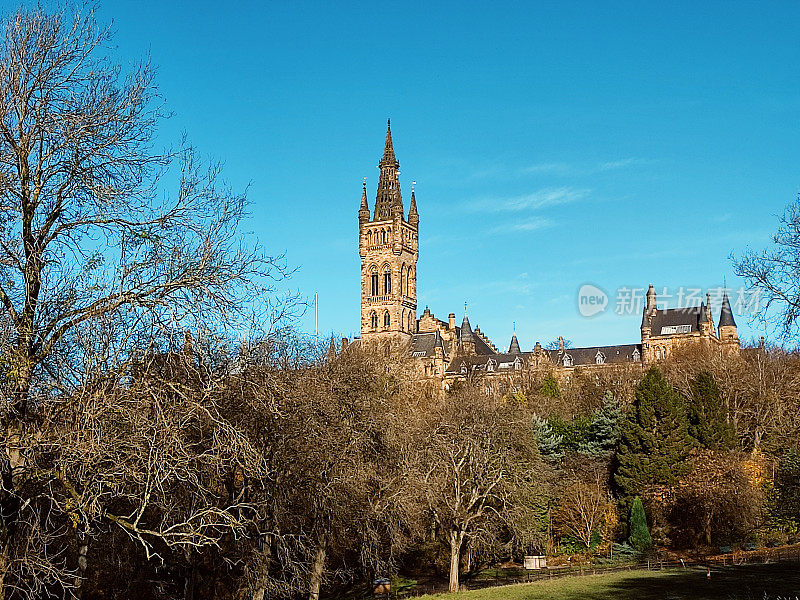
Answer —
383 236
406 275
407 320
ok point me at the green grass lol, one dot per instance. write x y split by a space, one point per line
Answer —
749 582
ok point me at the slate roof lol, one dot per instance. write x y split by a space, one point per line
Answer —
481 347
499 362
726 314
623 353
423 344
675 318
513 347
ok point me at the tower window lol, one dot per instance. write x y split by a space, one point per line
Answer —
411 322
387 321
373 319
387 284
374 283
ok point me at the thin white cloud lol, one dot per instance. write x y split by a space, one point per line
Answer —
531 224
620 163
530 202
551 167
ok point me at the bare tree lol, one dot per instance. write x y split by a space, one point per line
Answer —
775 274
585 509
90 232
476 465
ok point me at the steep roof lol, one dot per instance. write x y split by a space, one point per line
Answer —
593 355
677 320
461 365
513 347
726 314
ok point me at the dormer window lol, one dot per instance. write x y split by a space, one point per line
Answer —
566 360
599 358
490 365
636 356
463 369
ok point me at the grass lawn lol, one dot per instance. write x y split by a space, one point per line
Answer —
747 582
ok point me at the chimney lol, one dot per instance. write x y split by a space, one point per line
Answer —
451 321
560 344
345 343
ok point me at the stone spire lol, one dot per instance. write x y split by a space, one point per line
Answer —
388 200
413 216
467 341
363 211
466 330
651 300
513 348
726 314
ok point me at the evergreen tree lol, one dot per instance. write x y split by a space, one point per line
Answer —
574 433
707 415
550 387
549 442
654 437
604 430
639 534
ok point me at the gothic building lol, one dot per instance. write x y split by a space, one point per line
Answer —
388 243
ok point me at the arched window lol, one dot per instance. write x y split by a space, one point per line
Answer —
383 236
369 238
387 321
374 282
387 282
410 285
402 319
411 320
402 277
373 319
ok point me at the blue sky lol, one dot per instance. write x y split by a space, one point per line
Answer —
553 144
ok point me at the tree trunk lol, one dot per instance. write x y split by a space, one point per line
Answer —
80 575
456 537
191 575
262 569
317 568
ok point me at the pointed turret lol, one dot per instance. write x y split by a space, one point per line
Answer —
513 347
651 305
726 315
388 200
467 338
727 326
363 211
466 329
413 216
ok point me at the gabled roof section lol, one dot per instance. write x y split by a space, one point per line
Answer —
597 355
461 365
726 314
677 320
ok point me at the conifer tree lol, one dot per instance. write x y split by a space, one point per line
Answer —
639 534
604 430
549 441
550 387
707 414
654 437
